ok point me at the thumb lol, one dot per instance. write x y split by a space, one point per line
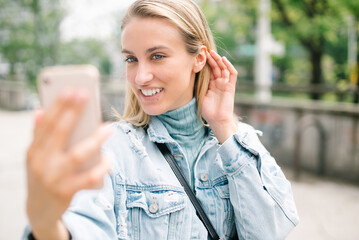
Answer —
38 115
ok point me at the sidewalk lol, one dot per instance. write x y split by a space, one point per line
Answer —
327 209
15 135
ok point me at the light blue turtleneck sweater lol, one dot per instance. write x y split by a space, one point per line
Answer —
185 128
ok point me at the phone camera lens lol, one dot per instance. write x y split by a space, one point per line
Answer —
46 81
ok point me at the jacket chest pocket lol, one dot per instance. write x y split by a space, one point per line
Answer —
154 213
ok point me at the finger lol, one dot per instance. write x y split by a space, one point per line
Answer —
62 119
83 155
93 177
67 121
216 71
229 66
42 146
64 167
211 77
38 115
225 74
50 116
218 59
68 185
233 72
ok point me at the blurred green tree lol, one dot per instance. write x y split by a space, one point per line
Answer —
86 51
30 40
317 26
353 7
314 31
29 35
233 26
16 28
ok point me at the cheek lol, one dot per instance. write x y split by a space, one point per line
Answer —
130 75
181 70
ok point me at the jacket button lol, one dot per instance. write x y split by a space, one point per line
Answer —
204 177
153 208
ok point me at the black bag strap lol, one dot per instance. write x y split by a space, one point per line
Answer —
197 205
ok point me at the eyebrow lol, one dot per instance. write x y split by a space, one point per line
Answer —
152 49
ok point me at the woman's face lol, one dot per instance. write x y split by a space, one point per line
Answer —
159 69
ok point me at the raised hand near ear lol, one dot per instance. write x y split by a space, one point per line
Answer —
218 104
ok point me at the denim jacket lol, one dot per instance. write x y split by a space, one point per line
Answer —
238 183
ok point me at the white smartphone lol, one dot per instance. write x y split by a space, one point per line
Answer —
53 80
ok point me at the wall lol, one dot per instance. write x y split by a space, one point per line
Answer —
314 136
13 95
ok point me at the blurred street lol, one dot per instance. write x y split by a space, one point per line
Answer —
327 209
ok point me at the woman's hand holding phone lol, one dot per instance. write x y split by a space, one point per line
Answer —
55 170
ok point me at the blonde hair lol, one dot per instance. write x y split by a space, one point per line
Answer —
193 26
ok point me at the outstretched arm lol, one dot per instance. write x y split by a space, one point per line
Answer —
55 174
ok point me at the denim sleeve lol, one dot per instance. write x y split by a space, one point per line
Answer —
90 215
261 196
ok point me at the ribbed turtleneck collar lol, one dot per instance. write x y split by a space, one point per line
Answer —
182 121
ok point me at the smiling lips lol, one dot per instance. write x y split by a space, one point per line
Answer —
151 92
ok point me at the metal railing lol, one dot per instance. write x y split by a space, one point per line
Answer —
317 88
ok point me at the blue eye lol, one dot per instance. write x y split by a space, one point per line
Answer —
156 56
130 59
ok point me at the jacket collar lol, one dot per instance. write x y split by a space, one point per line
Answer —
157 132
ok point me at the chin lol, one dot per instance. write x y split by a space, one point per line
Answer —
153 111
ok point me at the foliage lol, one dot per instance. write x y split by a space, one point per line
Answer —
314 31
232 23
317 27
87 51
29 35
16 29
30 40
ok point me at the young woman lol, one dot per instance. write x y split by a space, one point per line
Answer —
181 93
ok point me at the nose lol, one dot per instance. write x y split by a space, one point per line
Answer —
144 74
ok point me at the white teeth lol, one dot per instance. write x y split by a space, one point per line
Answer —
150 92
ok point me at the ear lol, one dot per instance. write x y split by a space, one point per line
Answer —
200 60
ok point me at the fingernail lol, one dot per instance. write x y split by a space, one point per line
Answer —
38 111
38 114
